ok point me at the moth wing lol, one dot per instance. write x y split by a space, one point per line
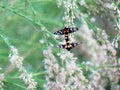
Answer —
65 47
62 46
59 32
76 44
73 29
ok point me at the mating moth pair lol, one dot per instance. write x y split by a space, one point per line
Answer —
66 31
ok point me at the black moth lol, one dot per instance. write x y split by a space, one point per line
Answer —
66 31
69 46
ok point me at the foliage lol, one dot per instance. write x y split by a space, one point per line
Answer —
26 32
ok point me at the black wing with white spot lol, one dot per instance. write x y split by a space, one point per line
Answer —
59 32
66 31
75 44
73 29
62 46
69 46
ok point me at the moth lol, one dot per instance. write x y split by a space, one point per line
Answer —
69 46
66 31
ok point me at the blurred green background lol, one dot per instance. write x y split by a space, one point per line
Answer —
15 24
23 21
